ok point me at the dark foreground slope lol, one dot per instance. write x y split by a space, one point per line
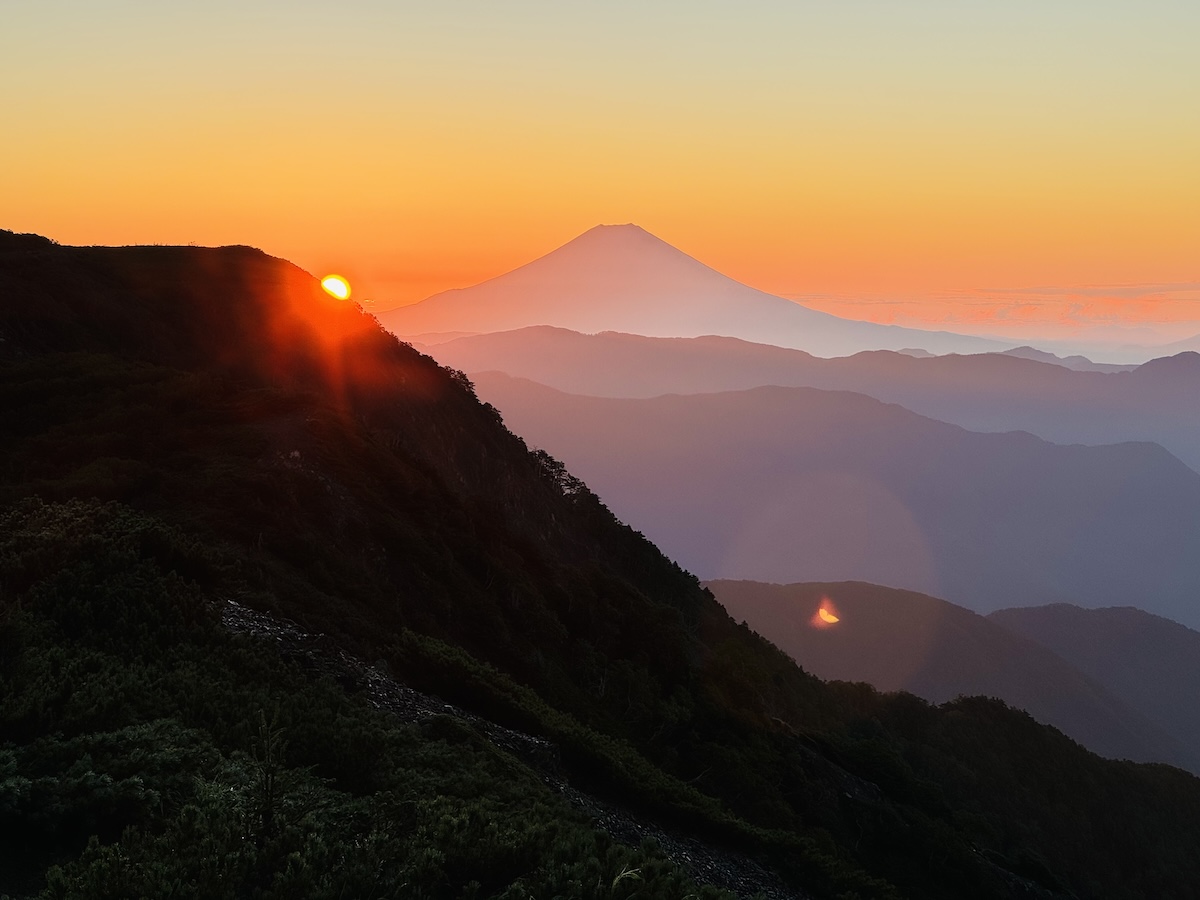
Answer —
904 641
150 752
245 438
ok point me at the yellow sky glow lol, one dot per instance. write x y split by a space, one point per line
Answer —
887 160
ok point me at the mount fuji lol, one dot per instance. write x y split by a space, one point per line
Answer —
622 278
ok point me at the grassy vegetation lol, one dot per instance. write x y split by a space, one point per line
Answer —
151 753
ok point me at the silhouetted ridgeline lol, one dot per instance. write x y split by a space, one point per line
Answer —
1147 661
200 425
901 640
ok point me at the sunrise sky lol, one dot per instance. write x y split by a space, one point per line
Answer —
1019 167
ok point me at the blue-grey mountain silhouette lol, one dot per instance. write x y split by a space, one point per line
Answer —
795 484
1158 401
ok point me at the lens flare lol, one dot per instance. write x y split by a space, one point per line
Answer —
826 615
336 286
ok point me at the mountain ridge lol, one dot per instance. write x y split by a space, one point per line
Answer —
621 277
903 640
1141 657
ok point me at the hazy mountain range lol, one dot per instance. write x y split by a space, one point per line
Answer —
1076 362
1158 401
787 484
901 640
622 278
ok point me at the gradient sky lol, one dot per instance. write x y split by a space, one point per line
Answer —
1018 165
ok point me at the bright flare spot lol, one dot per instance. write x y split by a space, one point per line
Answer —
337 286
826 615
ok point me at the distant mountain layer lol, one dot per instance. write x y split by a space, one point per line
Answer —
900 640
795 484
621 278
1158 401
1191 344
1147 661
1077 363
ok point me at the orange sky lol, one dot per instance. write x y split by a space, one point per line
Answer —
998 166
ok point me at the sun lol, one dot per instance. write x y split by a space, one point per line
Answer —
337 286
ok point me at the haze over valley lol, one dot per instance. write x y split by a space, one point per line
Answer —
1067 483
1158 401
797 484
1066 480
